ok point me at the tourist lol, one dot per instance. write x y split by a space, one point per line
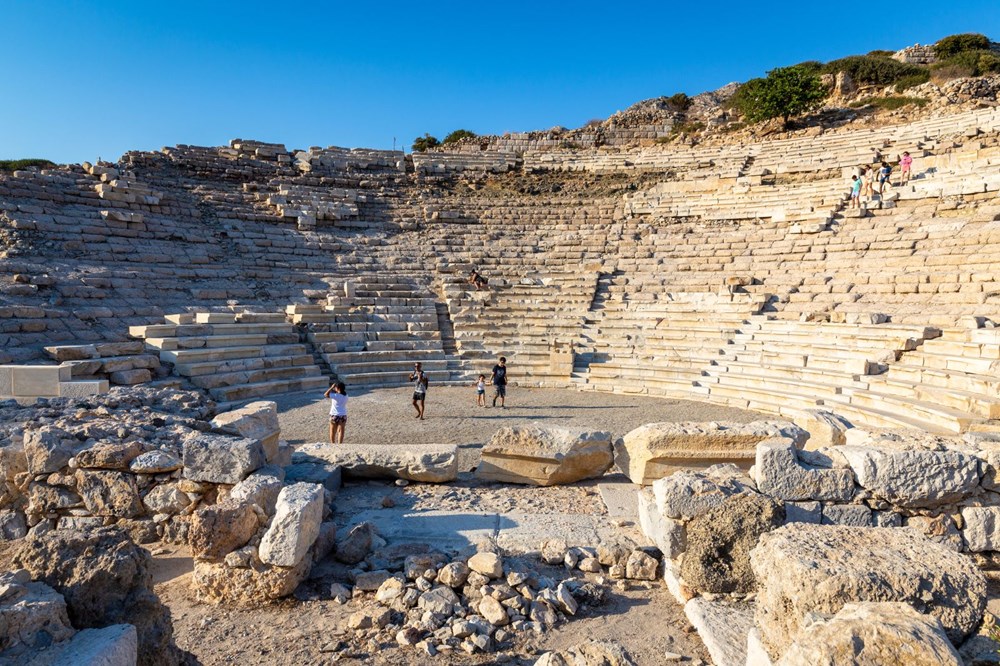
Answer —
499 381
338 411
419 389
855 192
883 177
477 280
481 391
905 164
876 156
868 182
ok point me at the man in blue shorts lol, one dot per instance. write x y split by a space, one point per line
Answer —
499 381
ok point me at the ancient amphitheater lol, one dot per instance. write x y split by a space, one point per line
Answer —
155 312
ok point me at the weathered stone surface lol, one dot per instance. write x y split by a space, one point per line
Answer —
260 488
12 525
684 495
641 566
824 428
295 526
221 459
722 627
166 498
116 645
441 599
108 456
105 580
914 478
257 420
218 583
668 534
355 545
429 463
780 474
44 498
48 449
493 611
719 542
325 474
803 512
32 615
852 515
595 653
155 462
802 569
107 493
981 528
939 529
873 633
539 456
453 574
218 529
488 564
653 451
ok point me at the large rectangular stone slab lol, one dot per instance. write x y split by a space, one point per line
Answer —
431 463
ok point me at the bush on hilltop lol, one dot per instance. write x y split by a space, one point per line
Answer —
786 92
458 135
877 70
14 165
954 44
425 142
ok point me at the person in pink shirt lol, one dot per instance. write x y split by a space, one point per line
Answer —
905 163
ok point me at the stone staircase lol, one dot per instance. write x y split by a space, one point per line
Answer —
234 357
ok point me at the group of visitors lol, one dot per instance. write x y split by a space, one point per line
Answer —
879 171
337 393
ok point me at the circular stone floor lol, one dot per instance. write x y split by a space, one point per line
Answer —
384 416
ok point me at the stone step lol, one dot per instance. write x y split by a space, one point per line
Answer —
950 379
202 330
248 391
949 363
953 420
859 415
403 368
975 403
241 364
219 341
983 350
187 356
232 379
384 356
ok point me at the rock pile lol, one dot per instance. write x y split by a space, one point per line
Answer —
141 458
104 579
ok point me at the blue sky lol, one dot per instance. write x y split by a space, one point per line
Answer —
86 79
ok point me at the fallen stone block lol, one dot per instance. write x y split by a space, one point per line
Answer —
873 633
544 456
824 428
430 463
655 450
913 478
258 420
217 582
295 526
594 652
221 459
722 627
219 529
802 569
260 488
687 494
981 528
32 615
780 474
116 645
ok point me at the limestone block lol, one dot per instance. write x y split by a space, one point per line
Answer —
780 474
684 495
981 528
802 569
114 645
803 512
219 583
539 456
12 525
31 614
220 459
108 456
260 488
166 499
666 533
655 450
258 420
722 627
913 478
48 449
824 428
429 463
130 377
38 380
155 462
109 493
295 526
326 474
219 529
873 633
856 515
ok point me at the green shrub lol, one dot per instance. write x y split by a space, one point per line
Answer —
458 135
954 44
14 165
679 101
786 92
425 142
685 128
888 103
913 80
968 63
881 53
813 66
872 70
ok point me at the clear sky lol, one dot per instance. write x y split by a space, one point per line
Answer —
80 80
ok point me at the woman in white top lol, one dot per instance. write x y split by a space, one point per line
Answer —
338 411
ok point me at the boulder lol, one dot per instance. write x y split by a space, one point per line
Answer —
12 525
115 455
355 545
981 528
653 451
873 633
295 526
824 428
219 529
687 494
221 459
782 475
155 462
429 463
488 564
719 542
48 449
257 420
539 456
32 615
105 580
802 569
913 478
593 653
218 582
260 488
167 498
107 493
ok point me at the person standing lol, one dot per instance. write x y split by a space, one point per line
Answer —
905 164
499 381
419 389
337 394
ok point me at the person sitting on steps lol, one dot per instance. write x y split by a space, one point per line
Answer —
477 280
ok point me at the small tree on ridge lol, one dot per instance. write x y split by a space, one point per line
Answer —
786 92
420 144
